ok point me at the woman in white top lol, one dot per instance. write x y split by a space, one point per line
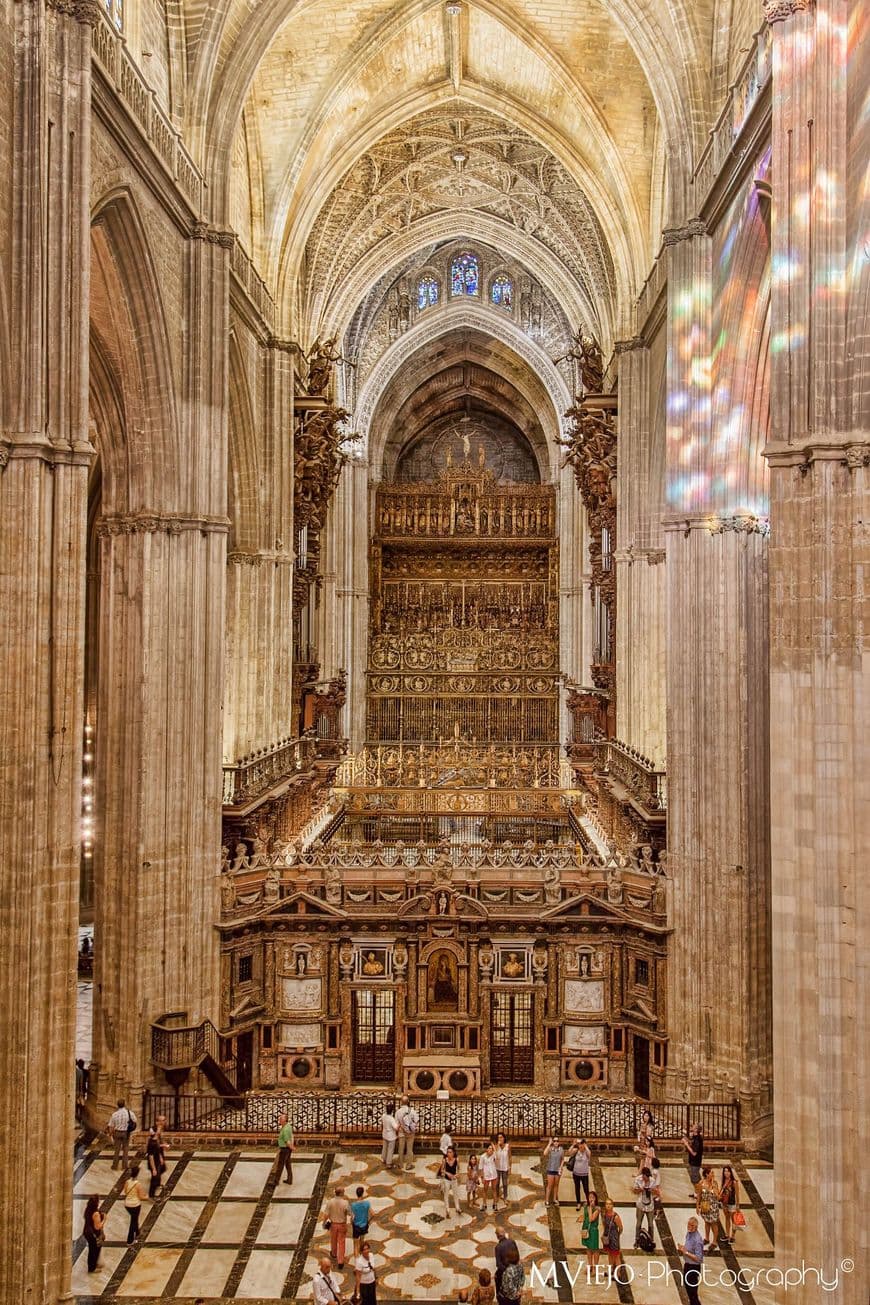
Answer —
503 1165
365 1277
133 1198
489 1175
389 1133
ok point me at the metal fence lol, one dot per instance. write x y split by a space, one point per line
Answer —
519 1116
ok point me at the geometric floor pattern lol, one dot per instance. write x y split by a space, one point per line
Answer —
225 1232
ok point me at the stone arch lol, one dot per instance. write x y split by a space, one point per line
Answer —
458 316
141 465
573 299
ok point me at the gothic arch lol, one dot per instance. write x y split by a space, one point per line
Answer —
469 316
141 466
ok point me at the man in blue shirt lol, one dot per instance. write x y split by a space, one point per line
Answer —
692 1251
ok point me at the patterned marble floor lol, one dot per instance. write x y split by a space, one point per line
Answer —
226 1232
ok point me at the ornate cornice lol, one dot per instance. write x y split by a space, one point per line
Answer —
263 557
675 235
83 11
776 11
716 523
632 554
849 448
150 523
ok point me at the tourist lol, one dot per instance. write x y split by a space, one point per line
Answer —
121 1125
645 1139
446 1139
645 1204
489 1175
360 1217
694 1144
408 1121
578 1161
484 1292
554 1154
472 1181
325 1285
729 1201
513 1278
708 1209
448 1172
336 1218
504 1245
94 1232
590 1234
155 1163
284 1159
365 1279
133 1198
503 1165
80 1088
389 1134
692 1251
611 1228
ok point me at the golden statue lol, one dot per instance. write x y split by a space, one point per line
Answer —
372 965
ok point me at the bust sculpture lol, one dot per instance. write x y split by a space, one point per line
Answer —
513 966
371 964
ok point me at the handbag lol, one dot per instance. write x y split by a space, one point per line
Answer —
738 1218
327 1223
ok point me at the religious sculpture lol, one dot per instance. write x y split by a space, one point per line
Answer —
615 888
332 876
320 360
272 885
371 964
443 985
552 885
513 967
240 861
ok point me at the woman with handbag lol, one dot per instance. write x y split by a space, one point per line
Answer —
94 1232
365 1290
729 1200
612 1230
335 1220
708 1209
590 1235
133 1198
448 1172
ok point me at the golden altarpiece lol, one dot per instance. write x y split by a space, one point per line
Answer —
456 922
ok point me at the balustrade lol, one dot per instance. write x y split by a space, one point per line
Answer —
494 766
634 771
256 774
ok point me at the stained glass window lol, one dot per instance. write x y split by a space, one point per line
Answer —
427 293
502 292
115 10
464 275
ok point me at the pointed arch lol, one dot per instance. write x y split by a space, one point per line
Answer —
141 464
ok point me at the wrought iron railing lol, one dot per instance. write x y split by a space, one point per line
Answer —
247 778
522 1117
635 772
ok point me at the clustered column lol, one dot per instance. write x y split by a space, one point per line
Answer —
819 458
717 725
44 460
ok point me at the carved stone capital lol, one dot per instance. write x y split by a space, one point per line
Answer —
87 12
777 11
675 235
211 235
628 346
283 346
718 523
261 557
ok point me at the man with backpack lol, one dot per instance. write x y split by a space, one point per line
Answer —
122 1125
645 1204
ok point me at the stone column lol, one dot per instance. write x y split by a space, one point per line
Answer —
640 574
718 1012
44 459
158 798
349 538
575 609
259 664
820 715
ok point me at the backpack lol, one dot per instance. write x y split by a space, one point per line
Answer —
645 1243
131 1122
